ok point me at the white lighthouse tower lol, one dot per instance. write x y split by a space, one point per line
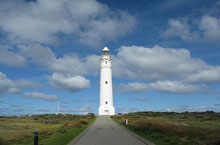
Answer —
106 94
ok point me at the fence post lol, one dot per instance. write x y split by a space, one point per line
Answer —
36 136
126 121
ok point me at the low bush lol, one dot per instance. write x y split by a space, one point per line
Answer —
19 137
72 124
45 131
2 141
83 121
175 126
62 130
91 115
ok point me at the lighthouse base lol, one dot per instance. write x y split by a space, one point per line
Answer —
106 110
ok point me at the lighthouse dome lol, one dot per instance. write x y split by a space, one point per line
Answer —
105 49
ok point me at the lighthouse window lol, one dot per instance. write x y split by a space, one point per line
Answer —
106 82
105 62
106 102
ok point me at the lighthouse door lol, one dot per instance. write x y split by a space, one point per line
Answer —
106 112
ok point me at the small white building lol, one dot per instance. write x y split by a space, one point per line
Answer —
106 93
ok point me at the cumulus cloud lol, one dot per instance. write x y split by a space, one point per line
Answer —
44 57
68 64
155 63
11 58
108 28
68 82
179 28
207 28
42 96
41 20
211 75
14 86
175 87
132 87
210 27
92 64
67 70
37 54
130 62
165 86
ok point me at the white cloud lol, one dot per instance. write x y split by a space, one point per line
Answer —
44 57
68 64
41 20
67 70
155 63
92 64
37 53
165 86
42 96
132 87
108 28
131 62
11 58
175 87
14 86
207 28
179 28
211 27
68 82
211 75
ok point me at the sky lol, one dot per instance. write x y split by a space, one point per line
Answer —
166 55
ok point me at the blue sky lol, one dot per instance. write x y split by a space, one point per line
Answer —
166 55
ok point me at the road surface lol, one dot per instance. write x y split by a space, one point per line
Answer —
104 131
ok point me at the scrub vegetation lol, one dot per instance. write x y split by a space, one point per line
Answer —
53 129
171 128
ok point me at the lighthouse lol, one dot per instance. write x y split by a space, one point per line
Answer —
106 93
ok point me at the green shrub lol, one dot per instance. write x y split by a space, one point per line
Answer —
62 130
83 121
2 142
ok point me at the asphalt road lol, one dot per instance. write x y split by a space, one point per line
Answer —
104 131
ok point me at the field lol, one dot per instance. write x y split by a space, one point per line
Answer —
170 128
53 129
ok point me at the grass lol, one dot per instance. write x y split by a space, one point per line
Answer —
170 128
66 135
53 129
